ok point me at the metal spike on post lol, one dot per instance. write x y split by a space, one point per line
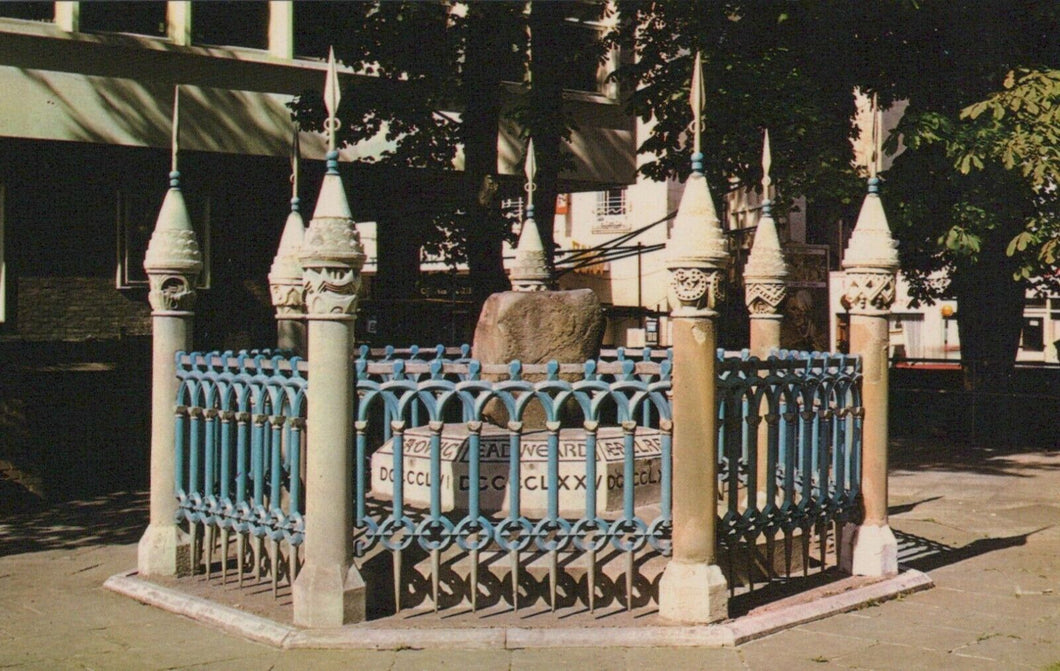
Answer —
692 588
332 98
698 100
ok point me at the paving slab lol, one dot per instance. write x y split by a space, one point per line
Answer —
986 531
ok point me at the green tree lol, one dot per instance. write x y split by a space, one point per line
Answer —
970 198
426 57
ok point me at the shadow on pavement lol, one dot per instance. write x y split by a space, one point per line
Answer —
974 457
924 554
113 519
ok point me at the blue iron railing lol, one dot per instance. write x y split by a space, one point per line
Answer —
240 459
455 457
789 450
508 459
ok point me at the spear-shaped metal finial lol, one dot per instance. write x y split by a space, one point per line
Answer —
174 142
296 155
877 141
697 99
531 173
767 181
332 98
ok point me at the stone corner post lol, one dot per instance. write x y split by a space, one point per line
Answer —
765 283
173 262
692 588
870 264
329 590
285 285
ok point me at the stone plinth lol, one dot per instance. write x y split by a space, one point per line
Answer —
494 463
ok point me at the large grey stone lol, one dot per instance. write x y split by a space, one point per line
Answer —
537 327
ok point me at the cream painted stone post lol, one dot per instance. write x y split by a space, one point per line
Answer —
285 285
692 588
173 262
329 590
870 263
765 284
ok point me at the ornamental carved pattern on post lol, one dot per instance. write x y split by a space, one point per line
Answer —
332 258
172 262
764 297
696 288
288 298
869 290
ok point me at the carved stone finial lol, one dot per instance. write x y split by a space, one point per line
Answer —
285 277
871 259
331 254
696 251
530 271
766 272
173 260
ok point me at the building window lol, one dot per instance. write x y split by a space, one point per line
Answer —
1033 334
136 216
611 212
117 16
231 23
30 11
320 25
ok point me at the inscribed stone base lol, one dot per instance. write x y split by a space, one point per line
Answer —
693 593
869 550
494 489
164 550
328 596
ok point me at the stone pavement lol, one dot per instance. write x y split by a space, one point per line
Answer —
984 523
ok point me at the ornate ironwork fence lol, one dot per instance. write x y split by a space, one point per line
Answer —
789 455
240 460
476 420
457 459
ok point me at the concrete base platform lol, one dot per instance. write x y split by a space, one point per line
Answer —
843 596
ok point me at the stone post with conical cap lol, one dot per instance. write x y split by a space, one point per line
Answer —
173 263
870 265
766 273
285 276
329 590
692 588
765 286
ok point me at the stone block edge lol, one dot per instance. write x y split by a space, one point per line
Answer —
725 634
752 627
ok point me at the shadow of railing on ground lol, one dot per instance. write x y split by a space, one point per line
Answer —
924 554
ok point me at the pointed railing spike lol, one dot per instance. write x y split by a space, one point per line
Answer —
698 100
767 164
296 155
175 140
332 98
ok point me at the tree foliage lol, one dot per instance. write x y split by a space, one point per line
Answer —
424 58
972 196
